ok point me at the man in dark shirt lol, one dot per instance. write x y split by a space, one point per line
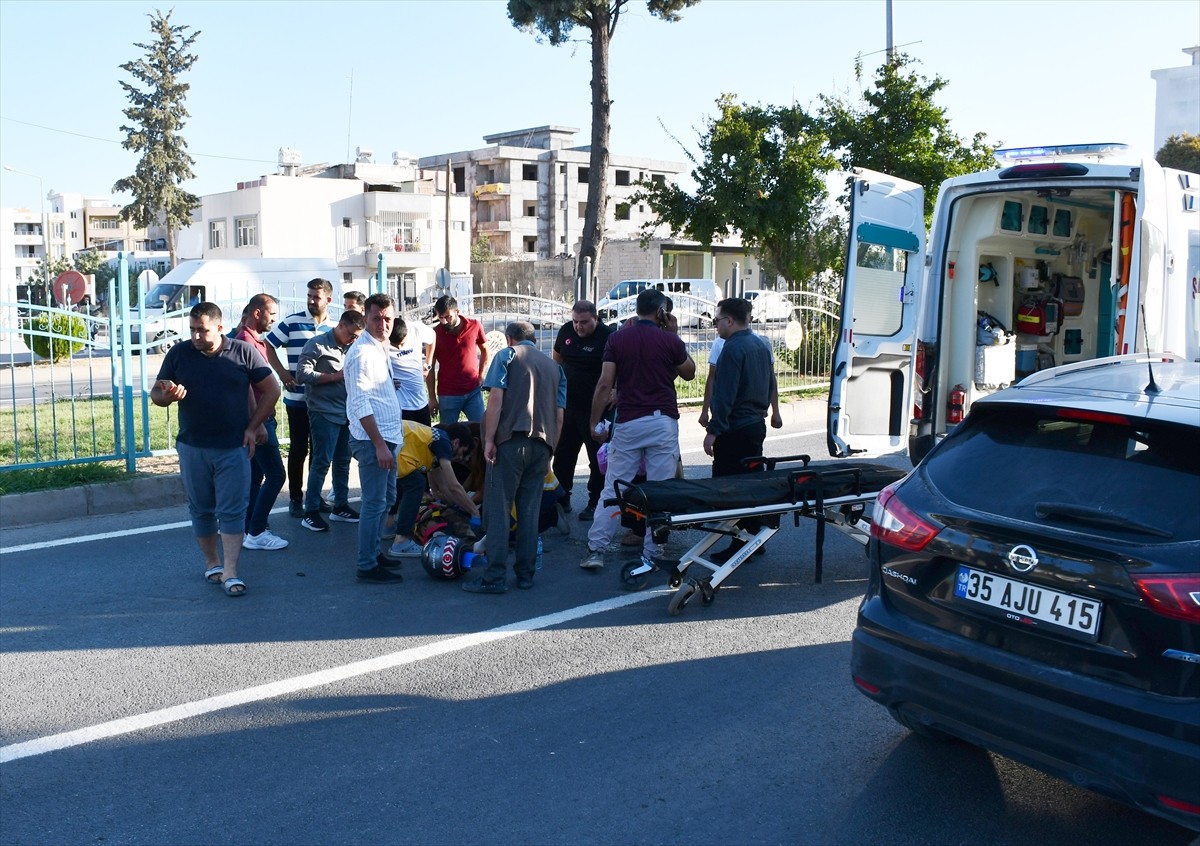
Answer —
219 424
579 348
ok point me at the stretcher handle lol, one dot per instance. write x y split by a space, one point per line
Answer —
752 463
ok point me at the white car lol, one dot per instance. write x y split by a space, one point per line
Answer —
770 307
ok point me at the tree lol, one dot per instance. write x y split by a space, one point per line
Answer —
762 174
897 129
554 20
47 270
1181 152
157 114
482 252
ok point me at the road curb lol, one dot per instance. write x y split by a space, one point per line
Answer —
39 507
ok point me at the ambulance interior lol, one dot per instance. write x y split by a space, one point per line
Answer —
1039 263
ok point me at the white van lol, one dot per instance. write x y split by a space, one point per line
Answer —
1074 252
230 283
694 301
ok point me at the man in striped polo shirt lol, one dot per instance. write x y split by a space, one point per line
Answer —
292 333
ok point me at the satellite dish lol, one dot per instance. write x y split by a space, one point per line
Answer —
495 341
70 287
442 279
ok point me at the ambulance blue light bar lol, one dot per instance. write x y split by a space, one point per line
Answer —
1009 155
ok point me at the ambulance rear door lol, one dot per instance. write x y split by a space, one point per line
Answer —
870 396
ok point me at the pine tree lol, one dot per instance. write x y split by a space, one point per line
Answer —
157 114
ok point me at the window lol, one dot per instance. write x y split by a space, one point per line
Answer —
583 176
622 211
878 308
658 179
622 177
216 235
529 172
247 231
460 180
531 209
57 231
530 243
347 279
582 210
345 223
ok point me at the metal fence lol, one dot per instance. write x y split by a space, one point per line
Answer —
83 393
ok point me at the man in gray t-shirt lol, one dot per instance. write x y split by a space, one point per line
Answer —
319 370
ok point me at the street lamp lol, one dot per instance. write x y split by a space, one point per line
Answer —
44 220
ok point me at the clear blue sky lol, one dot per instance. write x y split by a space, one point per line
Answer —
432 77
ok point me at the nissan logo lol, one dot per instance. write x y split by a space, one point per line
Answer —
1022 558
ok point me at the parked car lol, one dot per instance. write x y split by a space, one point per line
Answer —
770 307
1035 582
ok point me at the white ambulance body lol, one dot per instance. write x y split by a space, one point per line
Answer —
1078 252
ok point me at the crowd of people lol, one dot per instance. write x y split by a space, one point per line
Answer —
368 386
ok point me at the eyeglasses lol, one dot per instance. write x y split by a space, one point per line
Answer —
717 320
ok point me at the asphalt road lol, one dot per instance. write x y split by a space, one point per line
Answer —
318 710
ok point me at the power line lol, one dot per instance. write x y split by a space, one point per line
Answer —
111 141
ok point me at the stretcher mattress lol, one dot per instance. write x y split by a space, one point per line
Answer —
827 480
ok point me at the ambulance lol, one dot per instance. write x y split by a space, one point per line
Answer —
1061 254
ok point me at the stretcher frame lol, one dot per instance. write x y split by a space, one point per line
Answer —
847 513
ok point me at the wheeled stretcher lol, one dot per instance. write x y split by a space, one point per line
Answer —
748 508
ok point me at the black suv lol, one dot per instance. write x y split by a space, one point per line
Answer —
1035 582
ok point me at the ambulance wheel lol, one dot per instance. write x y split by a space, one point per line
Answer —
680 600
630 581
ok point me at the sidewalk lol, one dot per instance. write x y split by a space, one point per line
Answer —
165 491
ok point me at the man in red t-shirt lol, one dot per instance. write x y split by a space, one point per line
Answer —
460 355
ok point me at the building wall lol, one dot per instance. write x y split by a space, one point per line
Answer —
1177 100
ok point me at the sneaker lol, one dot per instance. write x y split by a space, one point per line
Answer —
380 575
593 561
480 586
524 582
408 549
326 506
343 514
314 522
266 539
588 514
386 563
297 509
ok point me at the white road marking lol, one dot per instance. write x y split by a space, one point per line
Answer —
283 687
770 438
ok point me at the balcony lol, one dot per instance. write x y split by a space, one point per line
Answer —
29 240
493 226
493 191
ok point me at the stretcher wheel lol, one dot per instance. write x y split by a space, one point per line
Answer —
680 600
708 593
630 581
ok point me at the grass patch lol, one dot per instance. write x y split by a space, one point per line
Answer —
78 429
56 478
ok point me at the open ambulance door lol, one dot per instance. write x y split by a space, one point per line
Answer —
1141 283
870 395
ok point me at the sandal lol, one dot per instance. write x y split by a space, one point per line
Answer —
213 574
234 587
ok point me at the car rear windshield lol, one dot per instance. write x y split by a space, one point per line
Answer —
1133 480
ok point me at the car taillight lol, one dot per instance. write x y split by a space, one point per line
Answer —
1172 595
894 523
924 358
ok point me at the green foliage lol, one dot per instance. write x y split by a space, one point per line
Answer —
57 478
47 270
761 173
554 21
53 334
897 129
1181 152
156 114
482 252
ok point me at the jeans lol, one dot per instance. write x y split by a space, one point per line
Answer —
378 493
655 438
470 405
410 490
517 476
298 433
217 482
266 479
330 445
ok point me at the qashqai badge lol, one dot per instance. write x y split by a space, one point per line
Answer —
1022 558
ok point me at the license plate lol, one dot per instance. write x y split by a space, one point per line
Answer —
1022 602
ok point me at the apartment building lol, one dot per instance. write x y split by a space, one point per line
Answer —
94 223
528 190
348 212
1177 99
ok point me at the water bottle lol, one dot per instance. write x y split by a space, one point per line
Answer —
537 565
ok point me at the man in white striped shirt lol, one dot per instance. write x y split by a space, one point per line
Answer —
376 433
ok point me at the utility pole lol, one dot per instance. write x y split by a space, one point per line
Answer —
449 184
891 50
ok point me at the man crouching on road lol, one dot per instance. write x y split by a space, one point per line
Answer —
376 434
219 423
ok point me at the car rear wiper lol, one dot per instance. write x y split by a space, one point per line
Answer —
1097 517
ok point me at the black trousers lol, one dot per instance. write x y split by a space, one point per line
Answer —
731 447
575 434
299 434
